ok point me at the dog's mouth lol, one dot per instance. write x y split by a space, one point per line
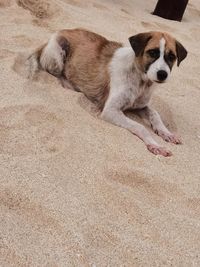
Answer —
157 81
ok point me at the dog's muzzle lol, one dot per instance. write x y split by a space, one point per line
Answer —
162 75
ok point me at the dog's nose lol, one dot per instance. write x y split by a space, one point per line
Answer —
161 75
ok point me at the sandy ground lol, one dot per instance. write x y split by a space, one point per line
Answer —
75 190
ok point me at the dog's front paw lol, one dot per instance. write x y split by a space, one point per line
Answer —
157 150
169 137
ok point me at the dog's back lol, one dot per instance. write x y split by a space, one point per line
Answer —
83 58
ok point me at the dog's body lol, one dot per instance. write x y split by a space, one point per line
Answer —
117 78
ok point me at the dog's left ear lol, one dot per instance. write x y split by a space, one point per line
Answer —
181 52
139 41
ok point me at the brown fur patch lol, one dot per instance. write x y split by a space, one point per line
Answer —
156 37
86 66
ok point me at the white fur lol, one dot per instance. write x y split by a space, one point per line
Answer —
125 89
52 56
127 92
159 64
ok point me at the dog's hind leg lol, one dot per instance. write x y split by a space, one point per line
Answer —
65 83
54 54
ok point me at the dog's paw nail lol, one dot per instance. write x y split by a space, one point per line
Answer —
156 150
168 137
175 139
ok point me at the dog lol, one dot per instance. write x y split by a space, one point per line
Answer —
115 77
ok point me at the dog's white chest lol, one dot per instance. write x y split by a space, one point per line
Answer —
127 89
137 96
143 99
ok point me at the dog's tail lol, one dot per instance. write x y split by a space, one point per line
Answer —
32 62
49 57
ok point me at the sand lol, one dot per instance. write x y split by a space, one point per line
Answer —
75 190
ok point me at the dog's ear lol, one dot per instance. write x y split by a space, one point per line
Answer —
181 52
139 41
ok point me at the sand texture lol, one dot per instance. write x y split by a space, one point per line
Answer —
75 190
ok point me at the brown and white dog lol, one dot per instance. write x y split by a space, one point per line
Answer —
117 78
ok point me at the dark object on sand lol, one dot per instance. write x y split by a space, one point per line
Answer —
170 9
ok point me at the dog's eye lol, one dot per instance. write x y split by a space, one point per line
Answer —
154 53
171 57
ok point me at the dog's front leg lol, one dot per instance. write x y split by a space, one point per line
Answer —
117 117
158 126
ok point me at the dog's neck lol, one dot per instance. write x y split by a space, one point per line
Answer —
144 81
125 62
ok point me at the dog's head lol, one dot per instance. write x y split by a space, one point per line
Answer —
156 53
